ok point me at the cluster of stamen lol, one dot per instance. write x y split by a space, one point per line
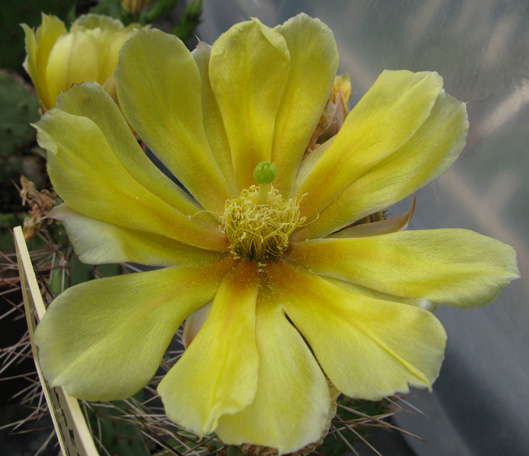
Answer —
259 231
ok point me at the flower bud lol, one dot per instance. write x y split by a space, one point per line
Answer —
56 59
134 7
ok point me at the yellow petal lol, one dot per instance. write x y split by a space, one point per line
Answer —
342 84
194 323
31 50
94 21
248 70
385 226
90 100
356 289
292 403
368 348
104 339
73 59
213 123
217 374
30 62
386 117
428 154
312 158
455 267
158 86
313 65
38 49
98 242
88 176
110 36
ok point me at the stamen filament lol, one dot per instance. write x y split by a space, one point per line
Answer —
260 230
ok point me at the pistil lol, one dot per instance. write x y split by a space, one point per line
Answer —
264 174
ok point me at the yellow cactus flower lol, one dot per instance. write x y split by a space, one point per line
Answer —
281 290
56 59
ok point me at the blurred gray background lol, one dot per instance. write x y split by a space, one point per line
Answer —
480 402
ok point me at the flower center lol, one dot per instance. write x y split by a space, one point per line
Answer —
260 230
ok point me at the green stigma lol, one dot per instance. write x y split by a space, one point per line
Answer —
265 172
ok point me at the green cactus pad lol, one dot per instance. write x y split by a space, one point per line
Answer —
17 110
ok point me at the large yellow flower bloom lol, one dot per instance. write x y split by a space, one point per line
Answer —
298 294
56 58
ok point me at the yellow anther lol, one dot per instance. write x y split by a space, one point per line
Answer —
259 231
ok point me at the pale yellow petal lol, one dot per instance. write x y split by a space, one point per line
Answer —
87 175
38 48
342 85
104 339
455 267
368 348
97 242
93 21
390 225
110 36
217 374
292 403
386 117
73 59
312 158
159 91
91 101
356 289
213 123
428 154
194 323
248 70
313 65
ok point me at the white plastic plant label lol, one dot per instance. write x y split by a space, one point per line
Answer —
70 425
